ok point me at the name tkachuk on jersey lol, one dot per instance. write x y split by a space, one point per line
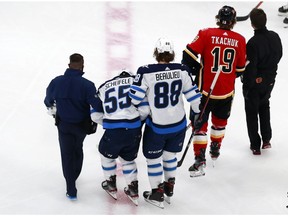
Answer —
224 41
164 85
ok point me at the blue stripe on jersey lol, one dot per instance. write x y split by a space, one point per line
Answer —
109 168
136 88
194 97
135 97
143 104
192 89
168 129
130 125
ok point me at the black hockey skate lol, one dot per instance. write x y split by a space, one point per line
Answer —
214 150
283 11
197 169
110 186
156 196
285 21
168 189
132 192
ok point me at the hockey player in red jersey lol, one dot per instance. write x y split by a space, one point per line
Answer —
218 47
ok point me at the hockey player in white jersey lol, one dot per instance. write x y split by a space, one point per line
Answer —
122 123
163 84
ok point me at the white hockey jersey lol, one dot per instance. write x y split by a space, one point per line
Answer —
115 109
164 84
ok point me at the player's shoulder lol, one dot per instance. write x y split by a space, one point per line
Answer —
149 68
236 35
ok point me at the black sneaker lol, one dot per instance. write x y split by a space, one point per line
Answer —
156 196
214 150
72 198
283 11
110 186
256 151
266 144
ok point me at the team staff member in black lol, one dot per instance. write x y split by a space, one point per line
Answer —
264 51
73 96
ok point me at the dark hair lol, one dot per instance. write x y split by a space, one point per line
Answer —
166 56
76 58
258 18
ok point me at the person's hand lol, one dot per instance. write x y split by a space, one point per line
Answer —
198 122
52 111
245 94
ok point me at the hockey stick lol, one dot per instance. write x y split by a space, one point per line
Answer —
201 115
243 18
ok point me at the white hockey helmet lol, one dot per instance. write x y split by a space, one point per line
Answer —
164 45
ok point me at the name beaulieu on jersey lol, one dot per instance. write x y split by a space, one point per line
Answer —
167 75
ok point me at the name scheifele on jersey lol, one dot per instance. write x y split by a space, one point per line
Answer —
113 83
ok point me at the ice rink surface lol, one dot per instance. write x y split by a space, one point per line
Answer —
36 39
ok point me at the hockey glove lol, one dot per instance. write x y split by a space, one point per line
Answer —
196 121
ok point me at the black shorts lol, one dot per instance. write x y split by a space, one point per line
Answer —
221 108
120 142
154 144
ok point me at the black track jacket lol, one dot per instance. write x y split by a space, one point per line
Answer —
264 51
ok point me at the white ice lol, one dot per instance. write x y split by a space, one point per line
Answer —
36 39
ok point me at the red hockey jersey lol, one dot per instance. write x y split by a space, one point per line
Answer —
218 47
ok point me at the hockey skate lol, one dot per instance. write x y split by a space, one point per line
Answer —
283 11
132 192
214 150
156 196
197 169
110 186
285 21
168 189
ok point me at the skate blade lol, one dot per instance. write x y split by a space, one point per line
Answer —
167 199
155 203
134 200
197 174
112 194
214 162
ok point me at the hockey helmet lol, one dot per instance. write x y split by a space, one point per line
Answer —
125 73
164 45
226 15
